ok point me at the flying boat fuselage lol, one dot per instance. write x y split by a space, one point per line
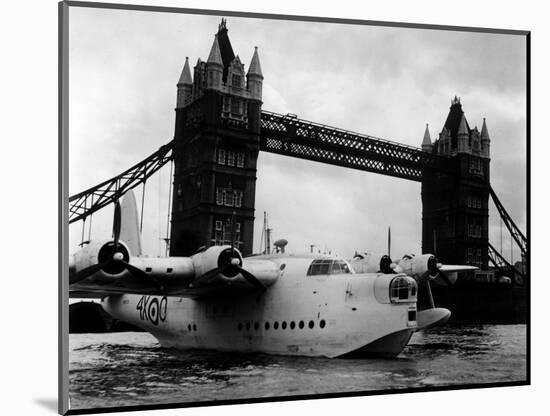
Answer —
310 310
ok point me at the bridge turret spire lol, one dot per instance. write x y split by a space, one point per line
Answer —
255 68
427 140
485 140
185 86
463 135
254 76
214 66
215 56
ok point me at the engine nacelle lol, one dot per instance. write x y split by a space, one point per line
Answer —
96 252
416 266
217 257
371 263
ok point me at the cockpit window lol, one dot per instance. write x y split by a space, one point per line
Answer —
328 266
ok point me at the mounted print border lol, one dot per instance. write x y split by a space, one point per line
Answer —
250 255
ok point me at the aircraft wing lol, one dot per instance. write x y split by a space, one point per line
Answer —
449 268
192 277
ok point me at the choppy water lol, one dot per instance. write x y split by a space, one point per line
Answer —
123 369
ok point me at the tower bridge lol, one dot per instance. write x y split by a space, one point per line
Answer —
221 128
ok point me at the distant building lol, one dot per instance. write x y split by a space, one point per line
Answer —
455 216
216 150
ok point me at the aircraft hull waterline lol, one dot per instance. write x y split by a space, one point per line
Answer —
326 315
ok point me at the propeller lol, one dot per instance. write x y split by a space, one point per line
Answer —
229 264
113 258
387 265
425 297
439 265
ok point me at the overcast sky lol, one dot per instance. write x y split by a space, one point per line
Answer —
382 81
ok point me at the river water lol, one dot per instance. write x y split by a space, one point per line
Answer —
130 368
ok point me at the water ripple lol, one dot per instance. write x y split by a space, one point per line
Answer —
131 368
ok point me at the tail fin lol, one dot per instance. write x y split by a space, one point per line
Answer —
129 232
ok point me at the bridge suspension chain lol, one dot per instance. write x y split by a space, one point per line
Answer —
501 263
517 235
93 199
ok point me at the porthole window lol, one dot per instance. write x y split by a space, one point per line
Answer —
189 327
276 325
256 326
248 326
322 323
283 325
301 325
311 324
292 325
194 327
266 326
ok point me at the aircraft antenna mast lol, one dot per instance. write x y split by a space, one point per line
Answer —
262 239
167 239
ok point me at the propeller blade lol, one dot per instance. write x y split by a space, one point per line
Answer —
253 280
116 224
233 231
389 241
206 277
445 277
425 298
141 275
87 272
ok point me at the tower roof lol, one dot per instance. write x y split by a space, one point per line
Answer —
484 131
185 77
453 120
215 55
255 68
427 139
225 48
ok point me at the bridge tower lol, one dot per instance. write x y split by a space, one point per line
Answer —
455 208
217 138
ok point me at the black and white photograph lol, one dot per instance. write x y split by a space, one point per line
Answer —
271 208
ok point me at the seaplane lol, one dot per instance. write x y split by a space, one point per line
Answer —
425 269
280 303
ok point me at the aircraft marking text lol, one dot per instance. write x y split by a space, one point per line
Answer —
150 309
